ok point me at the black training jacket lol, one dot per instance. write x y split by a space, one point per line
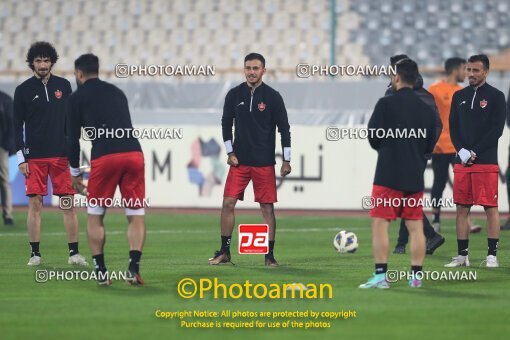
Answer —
99 105
255 116
477 120
401 162
40 109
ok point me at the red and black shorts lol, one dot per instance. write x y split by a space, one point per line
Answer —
264 182
125 170
36 183
476 184
389 204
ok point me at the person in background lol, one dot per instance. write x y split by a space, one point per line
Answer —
6 149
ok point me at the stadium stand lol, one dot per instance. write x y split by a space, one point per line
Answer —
442 29
221 32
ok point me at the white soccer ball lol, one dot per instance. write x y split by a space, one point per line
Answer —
345 242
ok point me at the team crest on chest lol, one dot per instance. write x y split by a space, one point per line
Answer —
483 103
58 94
262 106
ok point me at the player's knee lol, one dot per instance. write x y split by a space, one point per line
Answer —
229 203
35 203
68 212
415 230
491 210
267 208
94 220
136 220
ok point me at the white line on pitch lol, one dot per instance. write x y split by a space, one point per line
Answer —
201 231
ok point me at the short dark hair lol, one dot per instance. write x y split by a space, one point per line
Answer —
41 49
407 70
453 63
87 63
396 58
256 56
480 57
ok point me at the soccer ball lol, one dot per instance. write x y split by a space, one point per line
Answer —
345 242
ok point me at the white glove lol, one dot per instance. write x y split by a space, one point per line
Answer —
464 155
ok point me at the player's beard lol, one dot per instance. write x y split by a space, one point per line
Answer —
473 82
43 75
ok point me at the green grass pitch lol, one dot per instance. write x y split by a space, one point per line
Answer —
178 246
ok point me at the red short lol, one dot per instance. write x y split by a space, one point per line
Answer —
126 170
57 168
476 184
264 182
389 204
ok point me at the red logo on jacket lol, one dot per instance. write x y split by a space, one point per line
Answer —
262 106
483 103
58 94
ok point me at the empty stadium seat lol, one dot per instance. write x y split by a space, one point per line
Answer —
221 32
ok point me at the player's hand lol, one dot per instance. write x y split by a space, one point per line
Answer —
232 160
473 156
78 185
471 160
286 169
23 168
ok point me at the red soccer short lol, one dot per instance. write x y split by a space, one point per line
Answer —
264 182
126 170
389 204
476 184
37 180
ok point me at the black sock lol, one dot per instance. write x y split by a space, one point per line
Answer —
436 217
35 249
73 248
99 265
271 247
493 246
225 243
134 260
381 268
415 269
462 246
